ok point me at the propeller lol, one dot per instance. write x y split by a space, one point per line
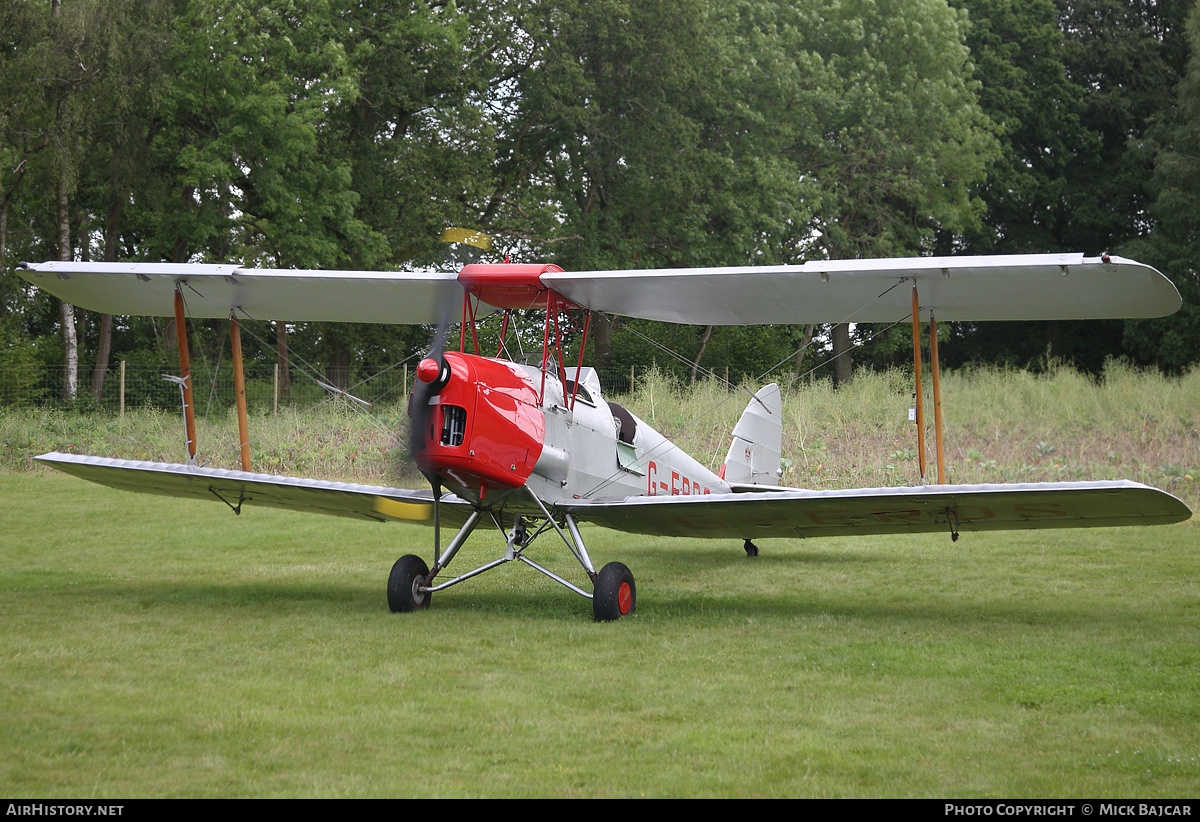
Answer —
462 246
433 372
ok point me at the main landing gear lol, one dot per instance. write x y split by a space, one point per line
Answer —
614 595
406 589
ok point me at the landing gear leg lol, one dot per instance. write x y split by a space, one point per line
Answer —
615 594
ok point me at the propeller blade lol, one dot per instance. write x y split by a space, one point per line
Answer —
429 381
462 247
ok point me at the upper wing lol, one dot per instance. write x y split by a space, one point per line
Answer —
237 488
945 508
1014 287
1011 287
260 293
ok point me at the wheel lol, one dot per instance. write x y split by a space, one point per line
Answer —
615 595
403 592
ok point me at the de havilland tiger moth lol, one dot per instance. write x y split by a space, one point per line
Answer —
535 449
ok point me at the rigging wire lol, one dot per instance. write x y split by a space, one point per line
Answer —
695 420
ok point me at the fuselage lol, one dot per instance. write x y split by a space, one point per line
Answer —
496 426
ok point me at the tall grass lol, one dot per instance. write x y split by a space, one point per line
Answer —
1000 426
334 441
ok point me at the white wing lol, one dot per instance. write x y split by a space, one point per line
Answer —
259 293
1013 287
861 511
237 488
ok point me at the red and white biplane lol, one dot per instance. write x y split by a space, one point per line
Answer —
535 448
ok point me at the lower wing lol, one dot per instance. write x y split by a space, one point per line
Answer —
756 514
945 508
237 488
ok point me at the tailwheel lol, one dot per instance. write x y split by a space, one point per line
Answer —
403 589
615 595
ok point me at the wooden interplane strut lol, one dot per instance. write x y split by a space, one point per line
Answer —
239 383
185 374
919 394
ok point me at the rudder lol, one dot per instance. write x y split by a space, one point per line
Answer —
757 447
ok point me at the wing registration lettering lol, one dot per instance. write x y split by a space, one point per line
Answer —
700 522
1039 510
897 517
971 513
836 517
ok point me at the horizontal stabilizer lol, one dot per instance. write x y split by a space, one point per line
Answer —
936 508
237 488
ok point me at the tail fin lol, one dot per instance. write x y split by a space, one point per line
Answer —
757 446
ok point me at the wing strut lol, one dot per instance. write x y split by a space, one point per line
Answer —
185 375
937 399
919 396
185 383
239 380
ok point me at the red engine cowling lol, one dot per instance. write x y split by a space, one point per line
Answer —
485 427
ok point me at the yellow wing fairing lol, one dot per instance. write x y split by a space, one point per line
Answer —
408 511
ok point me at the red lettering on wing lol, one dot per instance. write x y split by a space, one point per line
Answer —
971 513
830 517
1039 510
699 522
901 517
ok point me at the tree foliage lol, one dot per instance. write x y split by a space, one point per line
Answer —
597 134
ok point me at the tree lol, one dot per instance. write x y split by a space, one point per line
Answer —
1174 246
1074 85
24 135
682 134
902 138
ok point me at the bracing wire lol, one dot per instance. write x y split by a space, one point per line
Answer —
707 412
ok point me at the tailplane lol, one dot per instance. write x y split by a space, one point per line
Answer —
754 455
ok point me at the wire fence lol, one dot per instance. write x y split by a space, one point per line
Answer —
128 386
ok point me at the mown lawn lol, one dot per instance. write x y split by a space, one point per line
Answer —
157 647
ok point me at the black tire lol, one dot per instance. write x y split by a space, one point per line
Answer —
403 596
615 594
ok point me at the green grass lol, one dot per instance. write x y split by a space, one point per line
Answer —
158 647
1000 426
154 647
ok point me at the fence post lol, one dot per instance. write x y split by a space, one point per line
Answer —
122 389
275 392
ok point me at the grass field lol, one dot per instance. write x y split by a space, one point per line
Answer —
157 647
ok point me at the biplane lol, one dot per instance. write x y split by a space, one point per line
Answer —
533 448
